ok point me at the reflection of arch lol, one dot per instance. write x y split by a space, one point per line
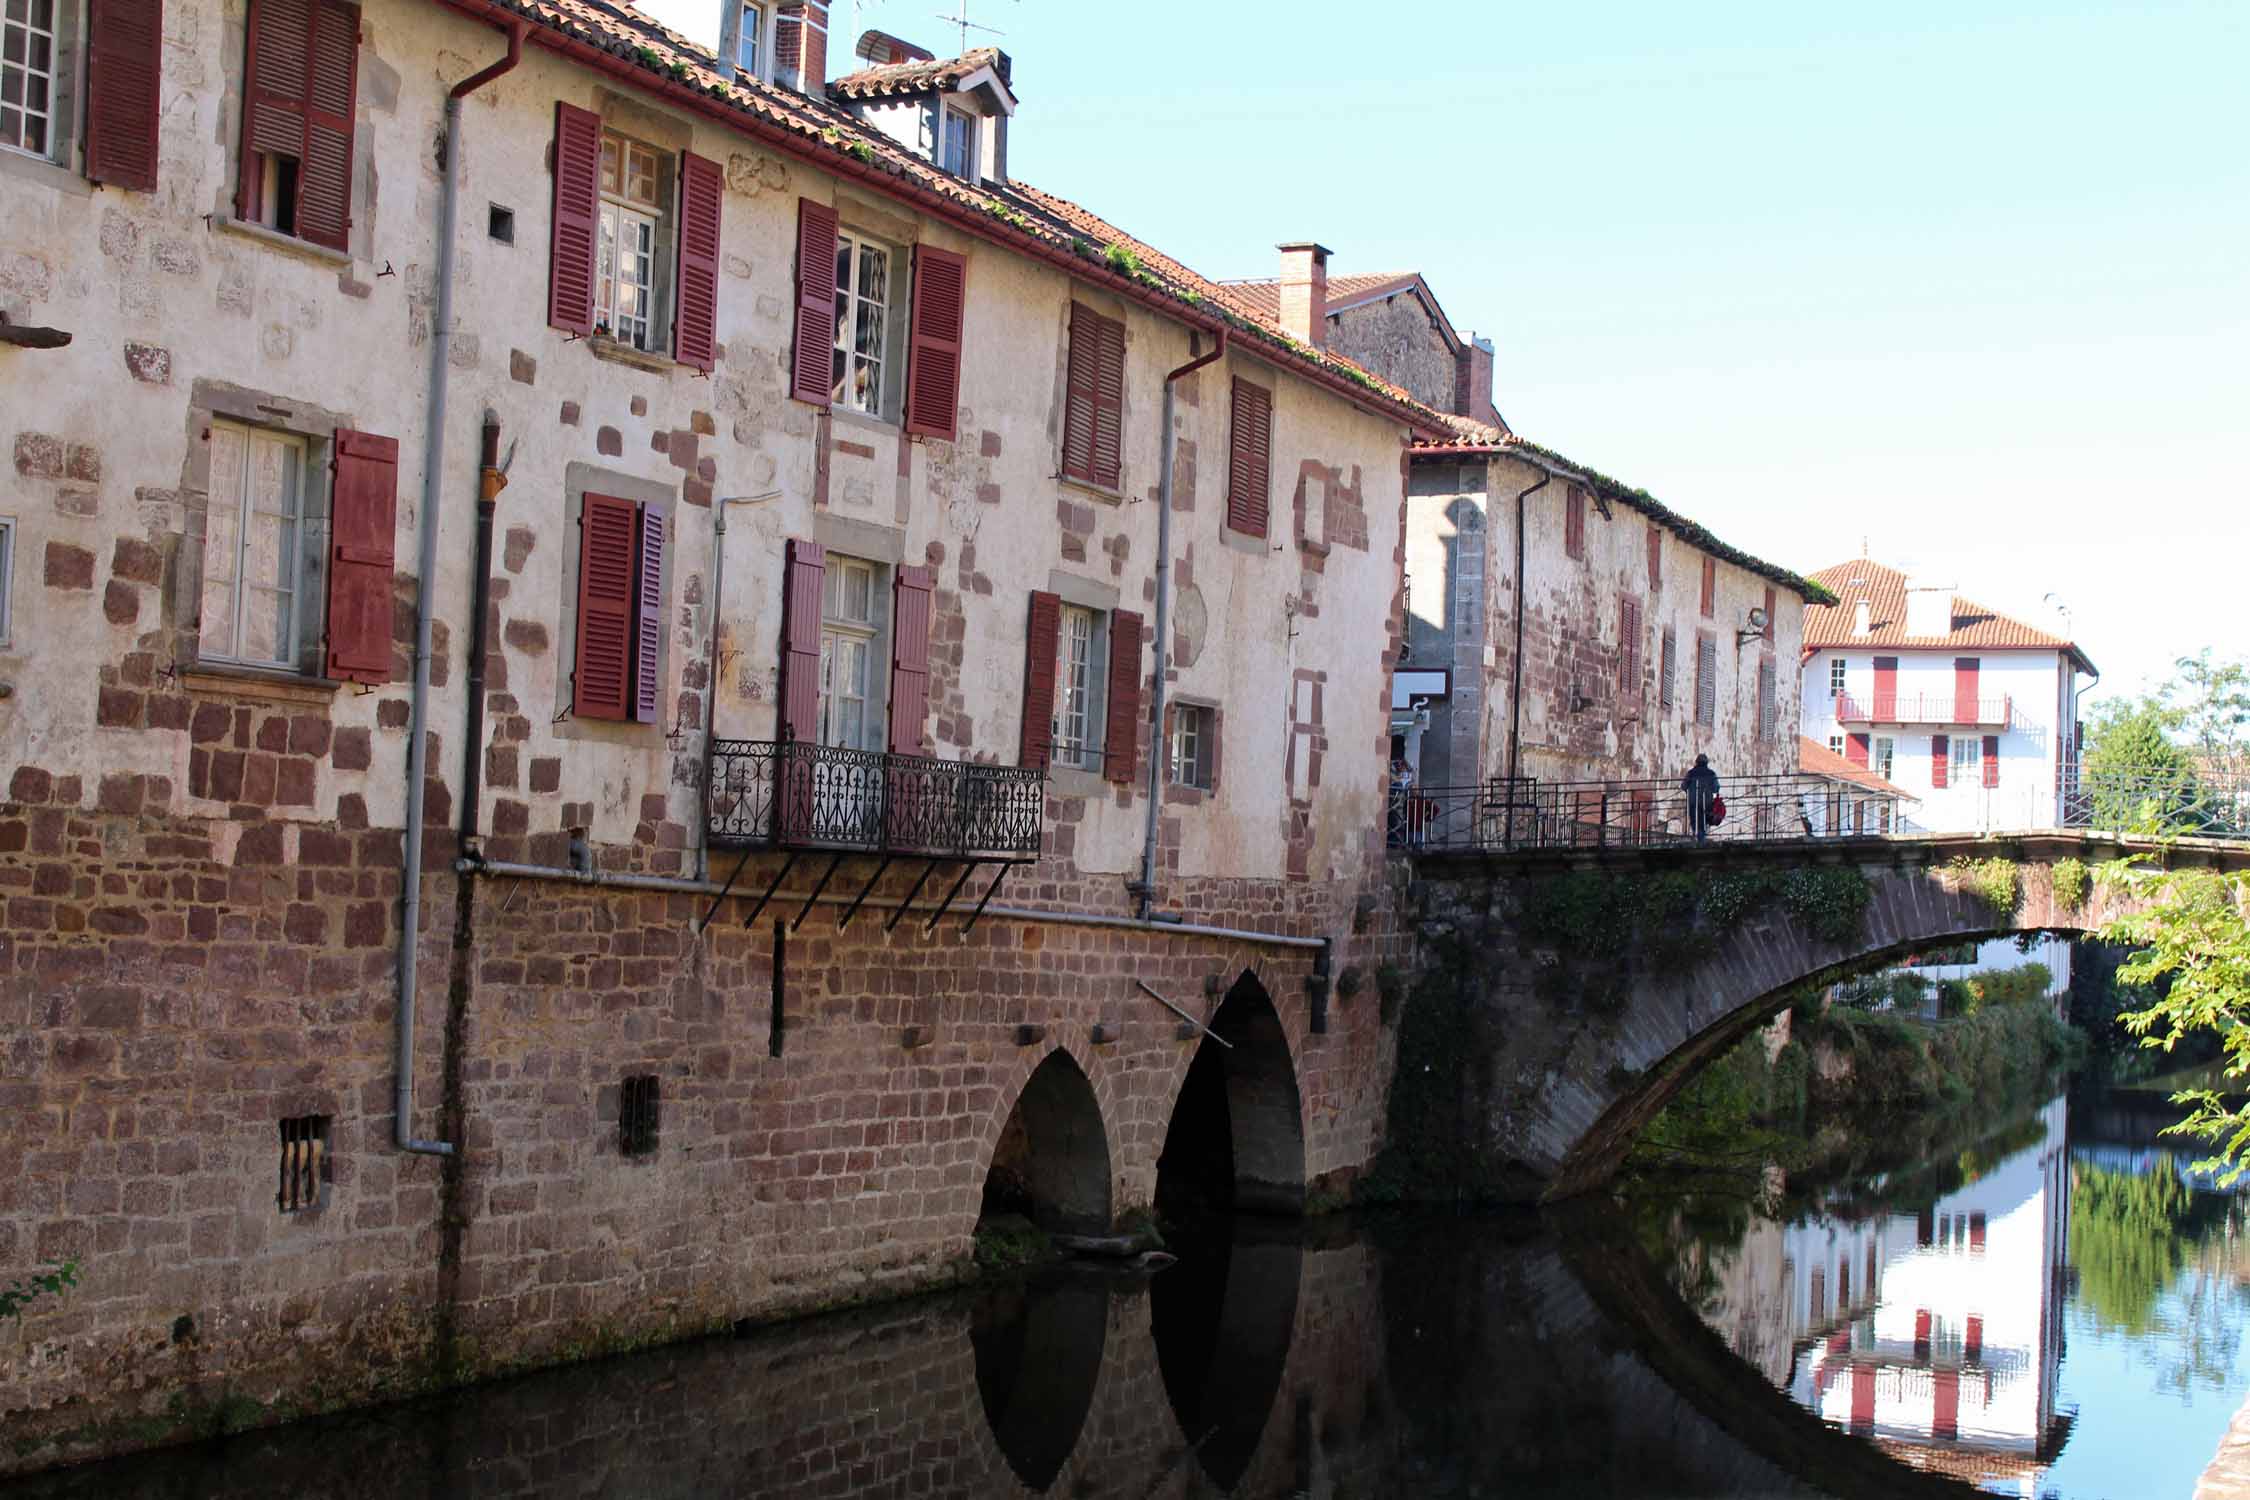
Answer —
1051 1162
1237 1137
1223 1318
1039 1354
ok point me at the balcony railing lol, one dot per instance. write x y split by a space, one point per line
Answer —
2177 801
1503 815
794 794
1924 708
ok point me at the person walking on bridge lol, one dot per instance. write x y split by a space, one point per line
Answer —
1702 788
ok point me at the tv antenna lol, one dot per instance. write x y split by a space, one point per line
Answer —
961 19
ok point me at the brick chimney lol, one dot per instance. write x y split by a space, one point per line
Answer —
1304 292
1472 382
800 46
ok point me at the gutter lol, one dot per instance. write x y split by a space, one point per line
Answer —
477 865
425 605
970 220
1159 750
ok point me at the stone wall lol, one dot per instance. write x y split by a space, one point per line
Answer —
1398 338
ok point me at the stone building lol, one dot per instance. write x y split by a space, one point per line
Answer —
531 881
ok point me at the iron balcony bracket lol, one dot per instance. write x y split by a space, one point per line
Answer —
852 910
818 887
967 870
779 876
919 880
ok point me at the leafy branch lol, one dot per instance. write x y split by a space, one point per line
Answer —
25 1290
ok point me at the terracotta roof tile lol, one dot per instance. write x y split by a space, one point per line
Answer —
1262 295
1830 626
914 77
1816 759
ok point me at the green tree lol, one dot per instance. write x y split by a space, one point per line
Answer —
2191 949
2134 778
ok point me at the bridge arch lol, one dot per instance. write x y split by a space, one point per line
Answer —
1048 1158
1236 1139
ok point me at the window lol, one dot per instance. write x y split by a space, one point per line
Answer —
1077 711
1250 461
957 142
1706 682
253 557
637 1115
30 87
619 658
863 321
306 1170
1835 744
1885 749
749 50
850 623
1574 522
625 255
1836 678
1968 759
1094 398
1194 745
300 97
1668 678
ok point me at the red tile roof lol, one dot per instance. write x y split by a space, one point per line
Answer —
915 77
1013 213
1830 626
1816 759
1262 294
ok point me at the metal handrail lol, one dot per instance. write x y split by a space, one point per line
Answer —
2176 800
1522 813
799 795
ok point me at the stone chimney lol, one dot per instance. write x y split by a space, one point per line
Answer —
1304 292
1929 609
1472 381
1863 618
800 46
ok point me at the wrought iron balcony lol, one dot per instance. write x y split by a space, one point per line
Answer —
793 794
1924 708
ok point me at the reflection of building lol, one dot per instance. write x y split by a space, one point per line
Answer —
1955 1366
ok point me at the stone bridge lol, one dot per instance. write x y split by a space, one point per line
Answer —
1564 997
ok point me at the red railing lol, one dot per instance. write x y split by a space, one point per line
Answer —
1924 708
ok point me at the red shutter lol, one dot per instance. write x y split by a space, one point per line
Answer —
1109 402
1710 584
1122 726
695 326
812 361
1574 522
910 657
1992 760
1855 750
362 538
933 361
1937 760
1250 460
1036 743
1965 673
124 95
278 37
1655 557
1885 707
648 615
570 246
324 173
602 678
801 587
1078 395
1769 615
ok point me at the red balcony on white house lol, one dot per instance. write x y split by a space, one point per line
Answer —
1924 708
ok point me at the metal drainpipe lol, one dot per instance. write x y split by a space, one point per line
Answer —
1158 750
711 673
490 482
433 482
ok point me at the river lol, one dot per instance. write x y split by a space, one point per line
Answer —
2045 1306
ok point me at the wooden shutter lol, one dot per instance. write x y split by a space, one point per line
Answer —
1992 760
1706 682
324 175
1937 760
278 36
1574 522
1078 394
1036 743
1109 402
812 360
910 657
124 92
648 614
1769 615
1855 749
695 325
601 679
1655 556
933 360
570 244
1121 726
1966 670
1250 460
802 584
1629 647
1768 711
1710 584
1884 710
362 541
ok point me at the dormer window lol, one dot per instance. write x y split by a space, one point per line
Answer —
750 54
957 142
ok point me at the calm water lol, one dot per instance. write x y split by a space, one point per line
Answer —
2045 1307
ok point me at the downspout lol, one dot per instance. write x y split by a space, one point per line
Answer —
490 482
1158 749
433 462
1515 659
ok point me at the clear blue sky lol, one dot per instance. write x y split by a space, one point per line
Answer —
1970 281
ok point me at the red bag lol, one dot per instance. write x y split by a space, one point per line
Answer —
1717 814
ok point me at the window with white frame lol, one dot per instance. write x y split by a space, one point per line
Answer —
957 142
1968 760
864 322
1885 749
1194 741
1835 744
252 557
851 621
1078 690
1836 677
30 81
628 254
749 51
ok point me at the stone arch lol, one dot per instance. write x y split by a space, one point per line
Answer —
1237 1134
1050 1158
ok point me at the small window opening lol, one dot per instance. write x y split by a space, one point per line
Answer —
502 224
277 192
637 1115
305 1163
